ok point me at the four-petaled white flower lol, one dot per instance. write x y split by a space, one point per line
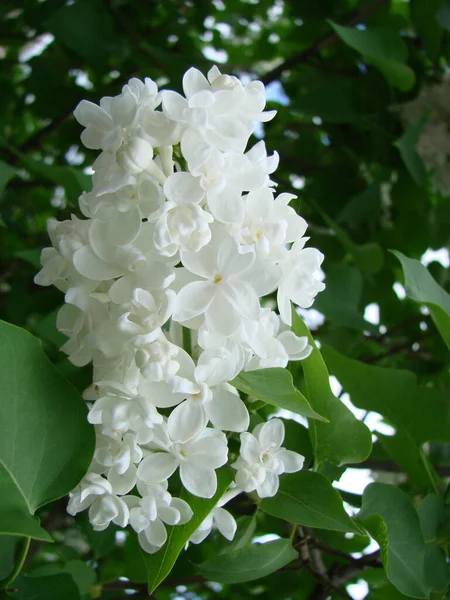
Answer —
262 459
198 458
97 494
155 509
224 287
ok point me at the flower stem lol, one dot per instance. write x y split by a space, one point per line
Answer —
187 341
20 562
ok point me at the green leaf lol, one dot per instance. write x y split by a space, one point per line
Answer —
431 515
15 517
8 545
344 439
46 443
309 499
390 517
248 564
410 457
422 287
6 174
87 28
340 300
71 179
361 207
423 15
367 257
395 394
385 49
406 145
276 387
160 564
47 588
31 256
101 542
297 438
83 575
246 526
332 101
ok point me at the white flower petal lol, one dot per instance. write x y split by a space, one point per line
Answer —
194 81
250 448
292 461
269 486
157 467
227 411
122 483
271 434
183 508
296 347
186 421
231 260
145 544
227 207
91 266
156 533
169 515
225 523
193 300
183 188
209 451
222 317
199 482
174 105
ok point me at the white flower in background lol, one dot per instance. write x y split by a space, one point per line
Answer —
262 459
431 108
164 282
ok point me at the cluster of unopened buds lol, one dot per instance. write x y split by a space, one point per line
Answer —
183 236
433 145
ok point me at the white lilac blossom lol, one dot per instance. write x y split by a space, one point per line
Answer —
433 144
182 237
262 459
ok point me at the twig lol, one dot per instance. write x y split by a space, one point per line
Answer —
338 575
395 349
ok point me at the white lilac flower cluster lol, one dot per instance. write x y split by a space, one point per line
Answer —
433 146
183 235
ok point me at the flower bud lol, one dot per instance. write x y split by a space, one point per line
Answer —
135 156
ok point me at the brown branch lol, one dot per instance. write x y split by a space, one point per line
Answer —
391 467
35 140
339 574
395 349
